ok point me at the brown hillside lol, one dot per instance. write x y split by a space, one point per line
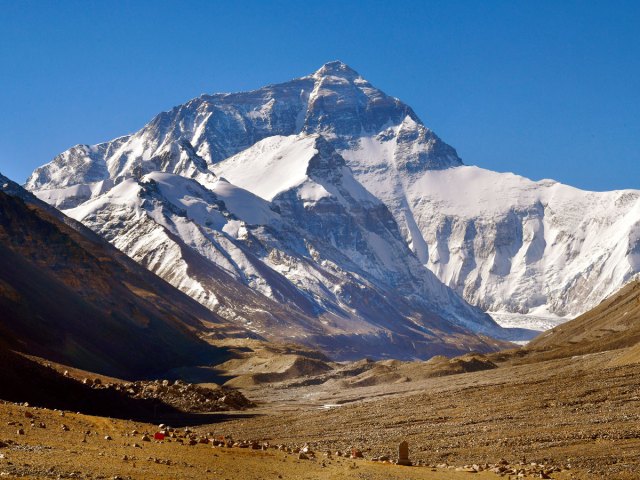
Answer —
612 325
68 296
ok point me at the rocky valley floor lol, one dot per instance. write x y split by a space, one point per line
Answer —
580 414
88 447
575 417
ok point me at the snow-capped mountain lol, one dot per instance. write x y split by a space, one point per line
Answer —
323 259
326 196
514 245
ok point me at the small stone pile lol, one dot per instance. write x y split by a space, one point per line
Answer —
521 469
505 469
184 396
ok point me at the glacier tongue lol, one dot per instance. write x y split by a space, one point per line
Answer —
324 199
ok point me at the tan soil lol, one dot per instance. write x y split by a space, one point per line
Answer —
54 453
576 411
562 402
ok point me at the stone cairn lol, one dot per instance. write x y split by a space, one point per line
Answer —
403 454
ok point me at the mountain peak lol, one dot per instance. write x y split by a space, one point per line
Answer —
337 69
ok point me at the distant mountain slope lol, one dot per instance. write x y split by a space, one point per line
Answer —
318 253
69 296
510 244
612 325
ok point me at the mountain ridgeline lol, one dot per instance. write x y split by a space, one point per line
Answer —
69 296
322 211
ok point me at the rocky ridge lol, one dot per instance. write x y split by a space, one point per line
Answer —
504 243
274 214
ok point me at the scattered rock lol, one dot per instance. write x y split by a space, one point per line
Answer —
355 453
183 396
466 469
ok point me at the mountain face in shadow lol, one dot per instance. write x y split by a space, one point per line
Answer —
69 296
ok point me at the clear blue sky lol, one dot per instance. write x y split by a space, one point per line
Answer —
543 89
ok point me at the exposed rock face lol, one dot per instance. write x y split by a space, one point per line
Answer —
503 242
250 195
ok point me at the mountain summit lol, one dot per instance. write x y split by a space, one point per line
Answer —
252 192
334 205
335 102
337 69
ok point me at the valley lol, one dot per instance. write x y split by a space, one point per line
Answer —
573 416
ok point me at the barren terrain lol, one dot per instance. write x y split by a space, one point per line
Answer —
578 413
97 448
560 408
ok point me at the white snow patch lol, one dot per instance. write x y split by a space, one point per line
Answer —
271 166
244 204
531 322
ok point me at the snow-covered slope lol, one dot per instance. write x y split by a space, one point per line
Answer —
516 245
284 241
506 243
303 190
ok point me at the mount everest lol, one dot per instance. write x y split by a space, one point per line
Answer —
322 210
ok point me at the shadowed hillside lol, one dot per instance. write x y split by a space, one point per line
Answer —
68 296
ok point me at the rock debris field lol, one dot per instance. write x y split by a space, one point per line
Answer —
41 443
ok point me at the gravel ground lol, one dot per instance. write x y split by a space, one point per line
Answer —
103 448
575 413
